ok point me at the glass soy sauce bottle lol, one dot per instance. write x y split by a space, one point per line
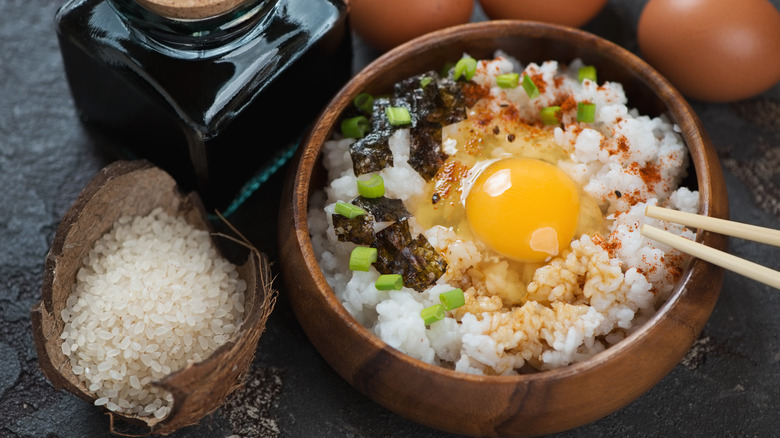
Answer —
214 93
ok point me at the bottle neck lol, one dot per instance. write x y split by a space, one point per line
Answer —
202 33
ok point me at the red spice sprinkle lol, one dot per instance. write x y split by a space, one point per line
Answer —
510 113
473 92
653 268
621 146
650 173
538 80
674 267
568 104
576 129
633 197
611 245
534 133
483 121
674 273
473 144
447 178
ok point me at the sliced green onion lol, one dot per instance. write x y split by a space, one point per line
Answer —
398 115
508 80
389 282
374 187
530 87
586 112
466 67
355 127
349 210
432 314
452 299
361 258
364 102
425 81
586 72
550 115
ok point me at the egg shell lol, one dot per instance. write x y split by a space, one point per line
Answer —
713 50
566 12
386 24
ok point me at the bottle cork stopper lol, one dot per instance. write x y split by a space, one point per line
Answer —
190 9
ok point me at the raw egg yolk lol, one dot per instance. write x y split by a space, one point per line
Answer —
522 208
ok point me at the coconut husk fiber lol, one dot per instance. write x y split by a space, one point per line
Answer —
133 188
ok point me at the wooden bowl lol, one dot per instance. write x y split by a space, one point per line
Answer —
133 189
522 405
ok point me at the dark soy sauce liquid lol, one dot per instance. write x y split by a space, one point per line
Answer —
211 111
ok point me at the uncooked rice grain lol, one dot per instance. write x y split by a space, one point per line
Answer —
146 290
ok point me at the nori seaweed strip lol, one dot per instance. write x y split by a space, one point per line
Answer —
371 153
415 260
383 209
423 101
435 265
453 104
425 153
379 122
412 84
433 106
358 230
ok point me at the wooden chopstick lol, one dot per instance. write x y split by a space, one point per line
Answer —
712 255
720 226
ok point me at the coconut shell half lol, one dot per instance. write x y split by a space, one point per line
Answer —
133 188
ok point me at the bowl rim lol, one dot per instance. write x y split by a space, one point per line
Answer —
677 109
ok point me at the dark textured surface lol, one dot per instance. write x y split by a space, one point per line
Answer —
728 385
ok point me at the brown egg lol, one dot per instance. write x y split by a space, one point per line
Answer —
713 50
573 13
385 24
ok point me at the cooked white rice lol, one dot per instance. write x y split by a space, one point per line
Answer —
152 296
581 302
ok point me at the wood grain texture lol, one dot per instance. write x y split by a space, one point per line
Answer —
132 188
523 405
